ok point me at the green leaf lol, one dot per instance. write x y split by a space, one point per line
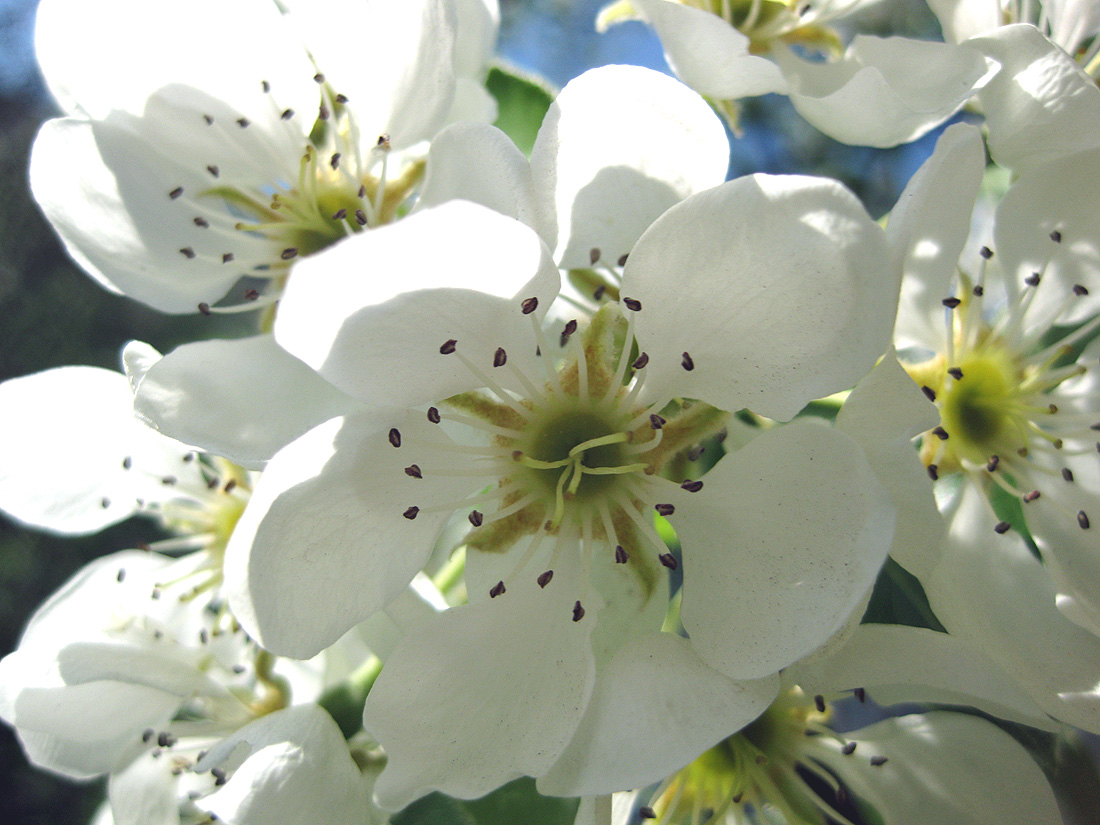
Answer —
515 802
898 598
522 101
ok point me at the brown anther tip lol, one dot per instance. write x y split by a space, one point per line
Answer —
1067 474
1033 279
641 361
360 217
127 463
687 363
951 302
413 471
632 304
500 357
570 328
860 694
411 512
1031 496
736 798
656 422
599 292
621 556
1056 236
496 590
202 223
933 472
476 518
929 393
593 255
955 373
175 193
940 433
878 761
341 98
394 436
251 294
1082 520
318 78
230 486
668 560
819 703
645 812
383 140
1001 527
994 461
433 415
265 86
848 749
334 161
986 252
449 346
287 114
544 578
209 120
1080 290
664 509
187 252
692 486
622 259
105 503
578 611
339 214
978 290
147 734
289 253
243 122
529 305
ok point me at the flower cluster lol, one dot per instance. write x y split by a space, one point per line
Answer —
583 465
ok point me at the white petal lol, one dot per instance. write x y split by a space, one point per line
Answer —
782 543
709 54
323 543
655 708
873 96
619 146
963 19
476 36
298 769
882 414
482 694
243 399
777 287
144 792
1072 22
927 230
1040 105
456 271
948 768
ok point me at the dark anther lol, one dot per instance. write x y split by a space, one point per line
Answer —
878 760
318 78
121 575
978 290
622 259
940 433
243 122
204 637
341 98
951 303
1030 497
641 361
692 486
819 703
593 255
664 509
287 114
219 776
410 514
413 471
687 363
632 304
288 253
621 556
1052 408
166 740
646 812
209 120
433 415
476 518
955 373
227 257
1033 279
1079 290
175 193
105 502
334 161
395 436
202 223
500 357
986 252
737 797
933 472
360 217
339 214
147 735
361 193
383 140
265 86
127 463
1056 236
230 485
695 452
656 422
448 346
570 328
848 749
668 560
599 292
544 578
496 590
1082 520
994 461
187 252
212 483
578 612
251 294
1001 527
1067 474
860 694
529 305
169 481
929 393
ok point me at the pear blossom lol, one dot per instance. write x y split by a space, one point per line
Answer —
556 472
868 95
183 182
997 338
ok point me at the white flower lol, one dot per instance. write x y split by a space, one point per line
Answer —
741 296
177 174
1069 23
869 95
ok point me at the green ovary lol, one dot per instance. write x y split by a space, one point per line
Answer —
552 440
979 410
